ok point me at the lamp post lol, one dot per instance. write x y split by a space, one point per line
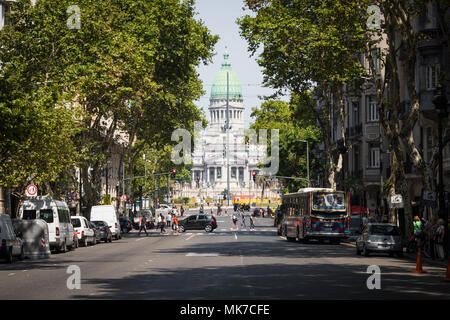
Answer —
440 101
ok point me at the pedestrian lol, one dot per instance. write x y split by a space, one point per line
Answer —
234 220
430 230
182 211
243 225
163 224
169 220
142 223
252 223
158 221
439 239
261 211
175 211
201 209
175 224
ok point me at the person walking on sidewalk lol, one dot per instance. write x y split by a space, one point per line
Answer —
252 223
181 211
163 225
243 225
142 226
175 224
234 219
169 219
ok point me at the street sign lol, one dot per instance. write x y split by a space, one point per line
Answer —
396 201
31 190
124 197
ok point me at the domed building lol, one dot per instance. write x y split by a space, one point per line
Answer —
209 171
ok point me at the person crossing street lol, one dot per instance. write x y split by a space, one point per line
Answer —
142 223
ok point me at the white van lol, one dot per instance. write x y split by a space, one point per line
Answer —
108 214
10 243
56 214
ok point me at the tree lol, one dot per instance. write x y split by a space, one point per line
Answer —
309 46
276 114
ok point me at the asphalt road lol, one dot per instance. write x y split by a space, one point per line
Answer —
225 264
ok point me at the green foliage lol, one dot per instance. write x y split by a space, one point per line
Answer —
275 114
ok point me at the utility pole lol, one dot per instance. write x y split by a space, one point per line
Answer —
227 126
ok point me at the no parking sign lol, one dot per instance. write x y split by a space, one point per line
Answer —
31 191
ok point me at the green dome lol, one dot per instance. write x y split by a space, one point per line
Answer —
219 87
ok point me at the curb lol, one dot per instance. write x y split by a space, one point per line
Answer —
409 256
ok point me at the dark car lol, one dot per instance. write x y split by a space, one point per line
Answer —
125 224
97 235
198 222
104 230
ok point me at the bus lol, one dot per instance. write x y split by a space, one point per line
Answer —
315 213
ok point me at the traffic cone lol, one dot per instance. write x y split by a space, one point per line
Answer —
419 262
447 277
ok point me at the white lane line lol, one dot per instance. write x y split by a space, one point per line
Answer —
190 237
235 235
11 274
194 254
140 239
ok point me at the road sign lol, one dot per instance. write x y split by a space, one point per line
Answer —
31 190
396 201
124 197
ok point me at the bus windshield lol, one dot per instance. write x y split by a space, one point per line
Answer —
334 201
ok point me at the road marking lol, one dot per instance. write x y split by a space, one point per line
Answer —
140 239
191 237
194 254
235 235
11 274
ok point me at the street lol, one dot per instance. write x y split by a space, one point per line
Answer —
225 264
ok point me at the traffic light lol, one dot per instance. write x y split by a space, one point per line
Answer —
174 172
254 176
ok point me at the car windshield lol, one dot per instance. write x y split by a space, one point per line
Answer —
76 223
385 230
46 215
328 201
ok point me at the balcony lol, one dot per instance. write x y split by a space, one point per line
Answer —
429 41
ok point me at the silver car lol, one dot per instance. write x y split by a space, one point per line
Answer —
380 238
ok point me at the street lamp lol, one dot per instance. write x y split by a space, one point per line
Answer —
307 159
440 101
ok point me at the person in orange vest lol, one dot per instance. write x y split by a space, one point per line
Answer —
175 224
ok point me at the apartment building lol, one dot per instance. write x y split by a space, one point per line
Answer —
367 162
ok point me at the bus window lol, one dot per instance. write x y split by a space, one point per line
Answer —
329 201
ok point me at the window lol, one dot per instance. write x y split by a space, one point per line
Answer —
376 60
241 174
372 109
432 76
429 144
374 157
29 214
46 215
233 173
355 106
76 223
219 173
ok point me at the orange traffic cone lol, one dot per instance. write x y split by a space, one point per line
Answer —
419 262
447 277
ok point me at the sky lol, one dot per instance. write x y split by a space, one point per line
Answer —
220 17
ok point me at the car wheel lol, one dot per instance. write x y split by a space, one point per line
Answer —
85 242
208 228
365 252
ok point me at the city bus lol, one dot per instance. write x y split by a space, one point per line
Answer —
315 213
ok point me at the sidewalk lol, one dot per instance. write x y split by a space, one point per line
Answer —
412 256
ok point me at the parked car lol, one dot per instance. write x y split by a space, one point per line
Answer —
125 224
109 214
97 233
11 244
163 209
104 230
85 234
380 238
198 222
56 214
